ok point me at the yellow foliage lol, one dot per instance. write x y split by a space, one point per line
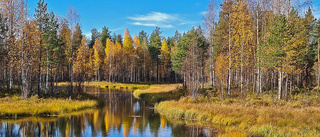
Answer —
165 56
127 42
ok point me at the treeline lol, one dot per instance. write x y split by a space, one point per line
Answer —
39 51
261 45
245 46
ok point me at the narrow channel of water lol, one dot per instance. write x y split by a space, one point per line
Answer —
122 115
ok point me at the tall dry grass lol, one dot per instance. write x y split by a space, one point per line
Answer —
16 106
251 116
156 88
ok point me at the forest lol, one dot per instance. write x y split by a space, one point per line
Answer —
252 67
242 47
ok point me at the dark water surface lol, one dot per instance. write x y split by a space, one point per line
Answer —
122 115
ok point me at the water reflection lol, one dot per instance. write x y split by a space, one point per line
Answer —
122 115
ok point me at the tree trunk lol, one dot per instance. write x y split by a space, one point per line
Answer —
280 85
71 71
272 79
291 80
229 71
318 74
47 74
24 78
52 83
286 88
39 71
11 76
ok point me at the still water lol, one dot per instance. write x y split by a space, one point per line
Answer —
122 116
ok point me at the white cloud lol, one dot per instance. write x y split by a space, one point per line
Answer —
203 13
152 25
155 19
158 19
144 24
116 29
154 16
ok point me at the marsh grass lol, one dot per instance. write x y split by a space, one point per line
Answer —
95 83
155 89
15 106
125 86
252 116
154 98
110 85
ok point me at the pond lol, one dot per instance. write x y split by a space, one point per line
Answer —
122 115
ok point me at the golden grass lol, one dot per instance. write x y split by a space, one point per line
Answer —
125 86
110 85
95 83
250 117
16 106
156 88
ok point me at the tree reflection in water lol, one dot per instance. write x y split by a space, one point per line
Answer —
122 115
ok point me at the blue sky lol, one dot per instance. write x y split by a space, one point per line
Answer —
136 15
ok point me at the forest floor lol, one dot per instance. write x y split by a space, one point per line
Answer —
12 105
253 116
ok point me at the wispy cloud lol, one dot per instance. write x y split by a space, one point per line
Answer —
116 29
152 25
144 24
159 19
154 16
203 13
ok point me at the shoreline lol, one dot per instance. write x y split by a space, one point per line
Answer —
245 119
13 107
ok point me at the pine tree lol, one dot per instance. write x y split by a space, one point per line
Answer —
105 34
41 16
154 49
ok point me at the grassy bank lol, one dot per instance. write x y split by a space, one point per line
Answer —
110 85
251 116
125 86
155 89
15 106
95 83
